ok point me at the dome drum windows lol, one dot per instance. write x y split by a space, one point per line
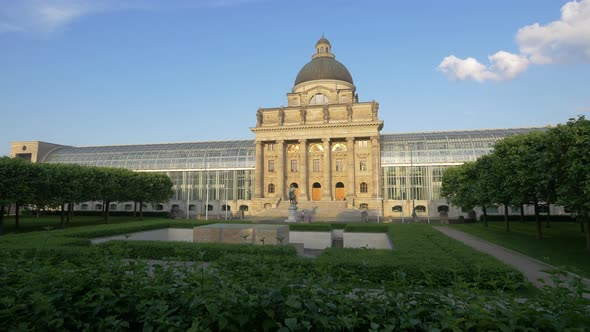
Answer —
319 99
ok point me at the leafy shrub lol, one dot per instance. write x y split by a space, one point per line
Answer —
105 293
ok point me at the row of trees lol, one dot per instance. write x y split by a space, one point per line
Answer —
57 185
541 167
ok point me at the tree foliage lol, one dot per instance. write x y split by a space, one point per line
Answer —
58 185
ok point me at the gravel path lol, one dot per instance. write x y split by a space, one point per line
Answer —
533 269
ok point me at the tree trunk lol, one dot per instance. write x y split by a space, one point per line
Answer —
62 216
16 215
140 210
1 219
587 232
548 220
134 209
538 222
581 221
106 211
485 215
506 223
521 212
70 209
8 211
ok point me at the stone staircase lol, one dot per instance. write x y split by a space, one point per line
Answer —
334 211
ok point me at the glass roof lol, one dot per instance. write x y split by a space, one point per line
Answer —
446 147
197 155
442 147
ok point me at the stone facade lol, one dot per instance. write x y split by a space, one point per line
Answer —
325 143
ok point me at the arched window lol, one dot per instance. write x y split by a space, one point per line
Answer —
209 207
175 207
192 207
339 185
316 185
397 208
364 187
98 207
271 188
318 99
338 147
243 207
443 208
113 207
225 208
128 207
159 207
420 208
364 206
316 147
84 207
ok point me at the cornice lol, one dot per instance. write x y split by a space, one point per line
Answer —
378 124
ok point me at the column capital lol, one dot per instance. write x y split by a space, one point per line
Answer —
303 140
326 140
280 141
350 139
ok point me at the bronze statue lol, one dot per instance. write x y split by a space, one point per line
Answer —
292 197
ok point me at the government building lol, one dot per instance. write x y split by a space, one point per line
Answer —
326 144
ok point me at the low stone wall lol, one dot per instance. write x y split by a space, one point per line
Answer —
312 240
232 233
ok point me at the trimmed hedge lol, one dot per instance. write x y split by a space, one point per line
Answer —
318 227
159 214
367 228
527 218
207 252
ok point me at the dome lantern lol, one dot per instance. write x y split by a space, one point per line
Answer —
323 66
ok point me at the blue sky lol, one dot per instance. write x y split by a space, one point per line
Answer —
132 72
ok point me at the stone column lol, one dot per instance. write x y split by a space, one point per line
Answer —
303 178
351 171
376 164
258 177
280 168
327 185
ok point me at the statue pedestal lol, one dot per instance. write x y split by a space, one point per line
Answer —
292 214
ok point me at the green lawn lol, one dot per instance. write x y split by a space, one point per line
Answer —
562 245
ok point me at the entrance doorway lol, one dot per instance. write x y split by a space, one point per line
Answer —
316 193
340 192
294 184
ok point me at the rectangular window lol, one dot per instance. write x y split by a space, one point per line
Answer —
363 143
271 166
294 166
363 164
271 146
339 166
316 165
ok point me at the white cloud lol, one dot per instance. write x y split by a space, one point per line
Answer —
503 66
47 16
564 41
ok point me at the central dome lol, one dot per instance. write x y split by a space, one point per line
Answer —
323 66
